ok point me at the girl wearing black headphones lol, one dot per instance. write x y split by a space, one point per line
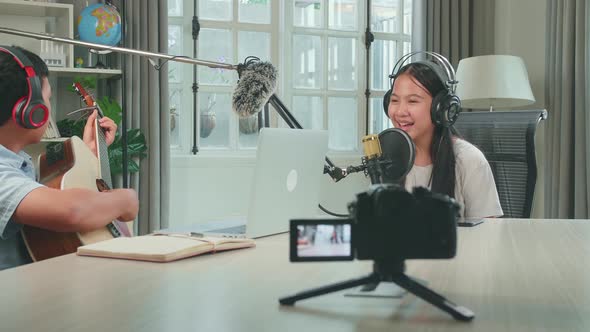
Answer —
422 104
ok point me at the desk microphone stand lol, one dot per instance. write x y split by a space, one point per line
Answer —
387 272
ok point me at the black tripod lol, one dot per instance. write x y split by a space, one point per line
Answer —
392 273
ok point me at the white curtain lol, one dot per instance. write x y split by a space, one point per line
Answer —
146 24
454 28
567 96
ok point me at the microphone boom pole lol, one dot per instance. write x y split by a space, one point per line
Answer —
99 47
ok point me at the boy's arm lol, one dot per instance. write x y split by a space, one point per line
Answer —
75 210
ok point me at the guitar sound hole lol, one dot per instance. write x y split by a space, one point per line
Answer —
102 185
54 152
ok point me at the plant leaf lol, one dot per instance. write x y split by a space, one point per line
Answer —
133 166
111 109
136 150
69 128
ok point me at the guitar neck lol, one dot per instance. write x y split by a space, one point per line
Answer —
104 171
102 153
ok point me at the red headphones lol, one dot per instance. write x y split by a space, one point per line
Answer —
29 111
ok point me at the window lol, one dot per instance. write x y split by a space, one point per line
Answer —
324 43
319 45
230 30
175 71
392 31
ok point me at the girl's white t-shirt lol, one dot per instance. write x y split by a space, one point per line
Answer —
475 188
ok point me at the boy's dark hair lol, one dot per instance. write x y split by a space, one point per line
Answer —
13 82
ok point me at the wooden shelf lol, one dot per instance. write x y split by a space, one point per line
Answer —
51 140
37 17
73 72
34 8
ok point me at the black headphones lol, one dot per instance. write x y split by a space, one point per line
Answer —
29 111
446 106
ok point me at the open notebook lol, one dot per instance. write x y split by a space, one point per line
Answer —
161 247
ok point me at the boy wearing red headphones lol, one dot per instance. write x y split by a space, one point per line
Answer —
25 95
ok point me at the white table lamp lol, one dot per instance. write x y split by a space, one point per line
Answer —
493 81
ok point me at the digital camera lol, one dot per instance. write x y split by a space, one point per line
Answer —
387 223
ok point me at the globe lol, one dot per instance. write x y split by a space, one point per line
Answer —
100 24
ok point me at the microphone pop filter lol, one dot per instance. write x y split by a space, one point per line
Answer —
256 85
396 146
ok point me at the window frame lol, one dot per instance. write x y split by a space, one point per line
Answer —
401 38
324 32
186 121
282 30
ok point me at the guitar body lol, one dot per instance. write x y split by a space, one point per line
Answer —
68 165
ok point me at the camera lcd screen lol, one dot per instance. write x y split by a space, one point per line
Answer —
321 240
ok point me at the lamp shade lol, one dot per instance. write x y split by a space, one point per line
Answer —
493 81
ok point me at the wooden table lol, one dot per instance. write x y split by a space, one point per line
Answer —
516 275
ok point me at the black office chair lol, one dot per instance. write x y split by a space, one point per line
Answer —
507 139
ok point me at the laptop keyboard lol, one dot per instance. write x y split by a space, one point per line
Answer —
231 230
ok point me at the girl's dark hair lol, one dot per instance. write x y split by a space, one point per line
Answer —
442 179
13 82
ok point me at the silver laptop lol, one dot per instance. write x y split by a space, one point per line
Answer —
286 184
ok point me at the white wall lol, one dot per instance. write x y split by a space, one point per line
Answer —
520 29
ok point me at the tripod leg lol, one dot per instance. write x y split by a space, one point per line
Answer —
430 296
290 300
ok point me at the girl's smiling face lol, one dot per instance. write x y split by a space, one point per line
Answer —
409 108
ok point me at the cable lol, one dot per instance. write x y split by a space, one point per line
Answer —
333 213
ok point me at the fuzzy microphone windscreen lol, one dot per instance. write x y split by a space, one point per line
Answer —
255 87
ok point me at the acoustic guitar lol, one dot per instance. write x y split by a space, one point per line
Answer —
71 164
